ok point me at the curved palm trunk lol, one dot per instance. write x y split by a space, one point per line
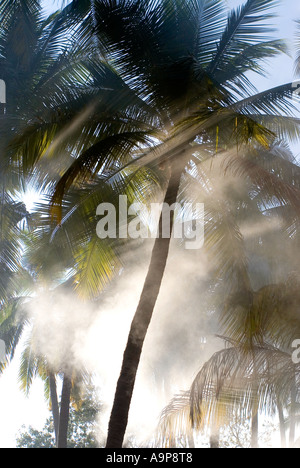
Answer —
141 321
54 404
64 413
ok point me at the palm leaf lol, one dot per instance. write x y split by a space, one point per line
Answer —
242 29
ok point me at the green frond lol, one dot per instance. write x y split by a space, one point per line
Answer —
274 101
246 25
29 368
13 321
96 265
95 159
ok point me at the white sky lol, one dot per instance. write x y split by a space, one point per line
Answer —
15 409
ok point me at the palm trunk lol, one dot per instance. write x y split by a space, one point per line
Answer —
54 404
293 413
64 413
254 429
215 441
125 387
255 403
281 424
191 440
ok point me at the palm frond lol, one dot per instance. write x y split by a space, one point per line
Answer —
235 380
270 184
175 421
246 25
281 99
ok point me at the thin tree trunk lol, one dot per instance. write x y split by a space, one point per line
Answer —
54 404
281 424
64 413
254 429
125 387
191 440
215 441
255 403
293 413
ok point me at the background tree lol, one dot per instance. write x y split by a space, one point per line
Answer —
82 433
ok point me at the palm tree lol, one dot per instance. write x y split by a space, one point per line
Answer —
245 377
50 267
31 55
233 382
248 376
170 75
175 422
33 61
50 359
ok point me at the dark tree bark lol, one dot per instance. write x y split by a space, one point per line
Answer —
64 413
54 404
120 411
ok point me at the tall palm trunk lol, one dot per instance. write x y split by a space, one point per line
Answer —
293 412
64 413
254 429
54 404
255 402
191 440
281 423
214 440
141 321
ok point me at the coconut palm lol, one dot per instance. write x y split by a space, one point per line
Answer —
33 61
57 262
249 376
167 75
45 357
262 324
30 56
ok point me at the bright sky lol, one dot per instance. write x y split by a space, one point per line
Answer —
15 409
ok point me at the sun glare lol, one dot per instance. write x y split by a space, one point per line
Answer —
30 198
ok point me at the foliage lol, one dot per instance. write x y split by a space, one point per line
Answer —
105 98
83 431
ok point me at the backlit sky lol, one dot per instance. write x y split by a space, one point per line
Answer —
15 410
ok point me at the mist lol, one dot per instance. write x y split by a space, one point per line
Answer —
73 333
